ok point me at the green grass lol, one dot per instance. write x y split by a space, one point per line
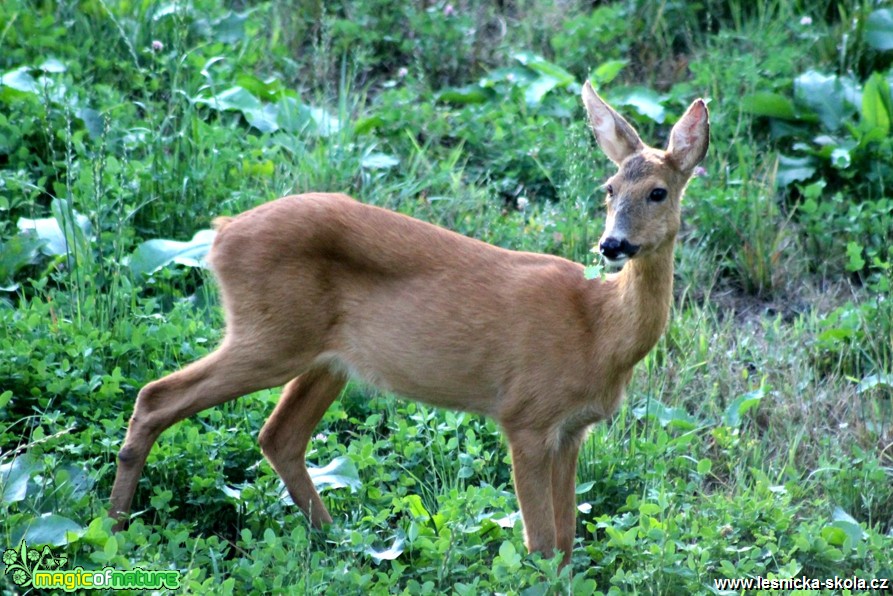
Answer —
756 437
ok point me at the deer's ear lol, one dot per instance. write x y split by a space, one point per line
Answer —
690 137
617 138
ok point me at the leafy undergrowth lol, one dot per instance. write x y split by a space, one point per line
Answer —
756 438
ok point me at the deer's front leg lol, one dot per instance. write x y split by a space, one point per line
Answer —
564 500
532 470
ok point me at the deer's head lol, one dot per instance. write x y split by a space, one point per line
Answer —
643 197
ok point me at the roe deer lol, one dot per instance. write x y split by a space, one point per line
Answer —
318 288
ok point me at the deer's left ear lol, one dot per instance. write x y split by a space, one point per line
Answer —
617 138
690 137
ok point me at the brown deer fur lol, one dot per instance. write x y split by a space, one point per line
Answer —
318 288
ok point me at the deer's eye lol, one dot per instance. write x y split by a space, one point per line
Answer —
610 190
657 195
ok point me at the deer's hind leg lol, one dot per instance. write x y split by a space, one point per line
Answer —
285 436
232 371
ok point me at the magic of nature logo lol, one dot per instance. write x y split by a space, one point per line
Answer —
43 569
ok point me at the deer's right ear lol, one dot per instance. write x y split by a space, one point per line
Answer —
690 137
615 136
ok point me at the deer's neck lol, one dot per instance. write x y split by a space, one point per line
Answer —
644 292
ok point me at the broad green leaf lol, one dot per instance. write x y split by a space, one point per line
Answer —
49 230
390 553
580 584
109 550
836 334
649 509
839 514
49 528
509 555
876 108
665 415
379 161
833 535
584 488
741 405
514 75
832 97
235 98
855 261
794 169
14 479
364 125
293 116
230 28
540 589
879 29
52 65
16 253
770 105
76 229
842 526
20 79
340 473
152 255
416 507
171 8
646 102
509 520
264 119
872 381
608 71
232 492
704 466
296 117
544 67
629 537
470 94
535 91
97 532
270 89
326 124
73 480
93 122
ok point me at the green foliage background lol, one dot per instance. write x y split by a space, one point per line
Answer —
756 438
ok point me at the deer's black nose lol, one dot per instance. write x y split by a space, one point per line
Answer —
614 249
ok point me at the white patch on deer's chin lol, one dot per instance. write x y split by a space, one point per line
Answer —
615 264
